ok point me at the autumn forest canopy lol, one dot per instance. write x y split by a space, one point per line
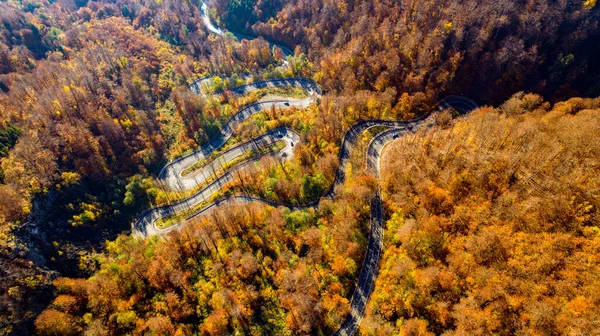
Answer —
491 218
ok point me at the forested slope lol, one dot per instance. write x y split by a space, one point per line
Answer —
486 50
494 224
244 269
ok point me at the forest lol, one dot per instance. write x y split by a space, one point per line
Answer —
485 50
493 224
95 99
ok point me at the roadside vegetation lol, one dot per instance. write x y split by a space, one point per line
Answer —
296 66
215 157
259 158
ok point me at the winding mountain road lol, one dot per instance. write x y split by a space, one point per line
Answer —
369 268
206 81
145 225
173 178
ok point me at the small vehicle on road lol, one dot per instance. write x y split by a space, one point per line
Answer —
286 104
395 136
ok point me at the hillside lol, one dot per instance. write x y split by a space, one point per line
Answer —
486 50
493 224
